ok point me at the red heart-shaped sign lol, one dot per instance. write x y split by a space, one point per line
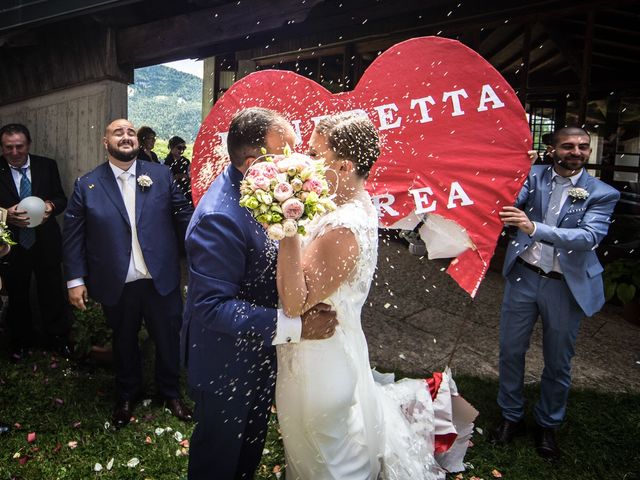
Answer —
454 138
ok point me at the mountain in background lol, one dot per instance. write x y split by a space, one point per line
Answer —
167 100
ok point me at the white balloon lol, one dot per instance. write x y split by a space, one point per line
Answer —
34 207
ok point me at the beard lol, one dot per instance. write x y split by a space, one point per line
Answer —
572 163
122 156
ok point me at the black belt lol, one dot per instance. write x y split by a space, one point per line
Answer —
539 271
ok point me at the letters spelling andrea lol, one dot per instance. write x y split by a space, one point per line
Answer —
388 119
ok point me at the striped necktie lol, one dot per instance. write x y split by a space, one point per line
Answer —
27 236
547 252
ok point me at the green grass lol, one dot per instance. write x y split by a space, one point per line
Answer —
64 401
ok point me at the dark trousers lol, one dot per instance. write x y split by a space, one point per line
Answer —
231 424
528 295
51 292
163 318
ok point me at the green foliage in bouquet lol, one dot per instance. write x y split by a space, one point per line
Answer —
5 235
622 280
90 328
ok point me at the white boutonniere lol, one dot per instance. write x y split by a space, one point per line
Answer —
144 181
578 194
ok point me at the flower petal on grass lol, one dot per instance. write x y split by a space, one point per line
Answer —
31 437
147 440
110 464
97 467
181 452
72 444
134 462
277 471
496 473
178 436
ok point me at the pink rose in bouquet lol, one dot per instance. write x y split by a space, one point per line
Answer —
283 191
313 185
262 182
293 208
267 169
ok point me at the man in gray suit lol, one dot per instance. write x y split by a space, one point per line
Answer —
562 214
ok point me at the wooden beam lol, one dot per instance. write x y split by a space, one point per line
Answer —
526 53
500 39
561 42
543 62
608 28
617 58
616 44
586 67
175 38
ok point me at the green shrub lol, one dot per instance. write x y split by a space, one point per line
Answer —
90 328
622 280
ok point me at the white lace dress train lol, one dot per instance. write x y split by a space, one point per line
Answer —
337 423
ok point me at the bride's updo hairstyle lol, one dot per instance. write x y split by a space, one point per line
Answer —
352 137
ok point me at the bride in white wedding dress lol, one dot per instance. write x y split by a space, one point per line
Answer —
336 421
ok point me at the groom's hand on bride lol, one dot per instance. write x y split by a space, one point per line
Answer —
319 322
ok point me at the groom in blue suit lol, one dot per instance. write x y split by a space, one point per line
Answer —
562 214
231 320
121 247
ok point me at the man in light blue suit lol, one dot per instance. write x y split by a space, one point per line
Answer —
122 229
562 214
231 320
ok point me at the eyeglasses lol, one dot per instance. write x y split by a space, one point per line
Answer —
181 148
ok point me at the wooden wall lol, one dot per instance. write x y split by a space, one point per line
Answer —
69 125
57 57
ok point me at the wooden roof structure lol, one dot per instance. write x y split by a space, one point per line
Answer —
540 46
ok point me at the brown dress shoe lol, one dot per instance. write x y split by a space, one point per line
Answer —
179 409
122 413
506 431
546 444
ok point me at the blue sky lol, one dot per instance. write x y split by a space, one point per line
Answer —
188 65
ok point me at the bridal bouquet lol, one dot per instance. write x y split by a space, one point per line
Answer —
5 235
283 192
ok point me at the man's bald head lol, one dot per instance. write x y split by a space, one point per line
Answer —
120 141
557 136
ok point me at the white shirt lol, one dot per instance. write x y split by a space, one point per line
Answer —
288 330
532 254
16 173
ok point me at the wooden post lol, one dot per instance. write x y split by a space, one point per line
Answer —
208 85
526 50
586 67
